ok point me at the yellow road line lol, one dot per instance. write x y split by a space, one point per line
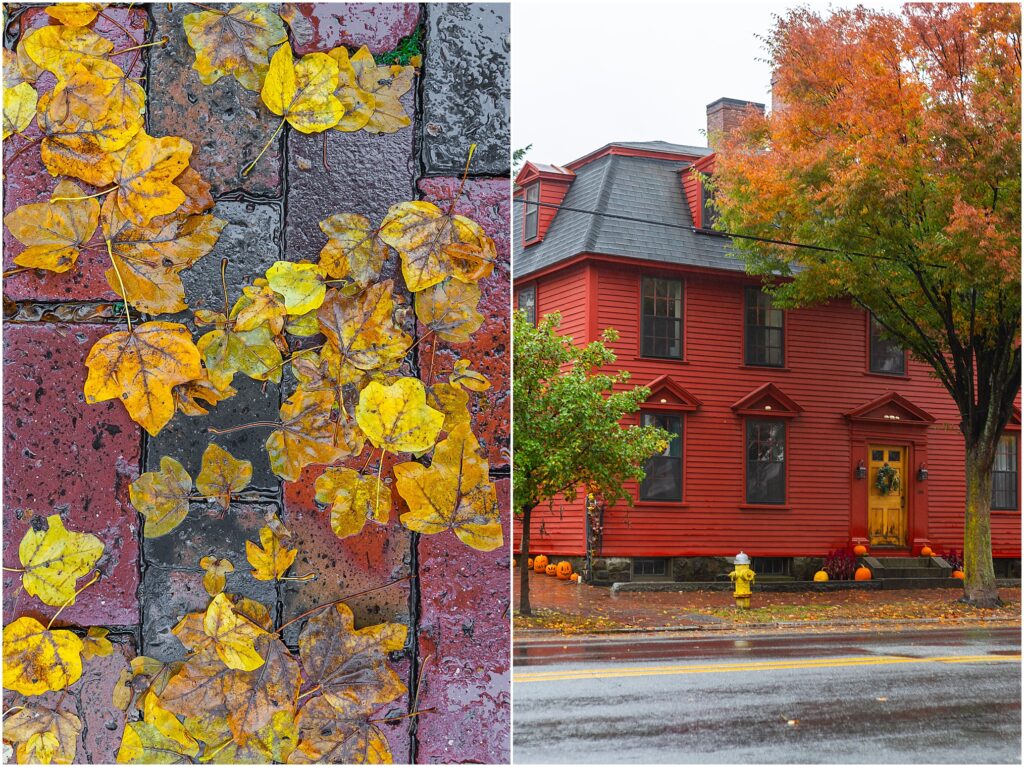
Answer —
526 677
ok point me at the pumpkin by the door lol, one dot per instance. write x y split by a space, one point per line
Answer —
958 574
575 577
563 570
860 549
862 574
821 576
551 570
926 551
539 563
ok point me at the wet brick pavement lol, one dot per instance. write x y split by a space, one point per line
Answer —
63 456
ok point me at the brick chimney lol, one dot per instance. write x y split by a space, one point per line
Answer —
725 115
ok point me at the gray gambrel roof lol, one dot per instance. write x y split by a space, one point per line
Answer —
638 187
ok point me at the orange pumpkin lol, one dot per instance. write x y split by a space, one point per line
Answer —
575 577
862 574
958 574
551 570
529 563
539 563
860 549
563 570
926 551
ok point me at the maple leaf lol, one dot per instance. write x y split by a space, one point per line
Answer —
148 259
397 417
145 743
197 687
311 431
227 351
330 734
449 309
162 497
72 144
58 48
258 697
222 475
235 43
452 401
36 659
262 305
453 494
362 327
463 376
188 394
140 367
75 14
96 644
300 285
353 249
233 635
354 499
431 241
272 744
270 561
351 665
54 559
145 170
19 108
108 102
371 92
54 232
302 92
42 735
215 577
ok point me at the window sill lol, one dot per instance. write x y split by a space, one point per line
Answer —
534 241
773 368
891 376
677 360
765 507
1007 512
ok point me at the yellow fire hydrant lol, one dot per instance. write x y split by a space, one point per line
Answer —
743 577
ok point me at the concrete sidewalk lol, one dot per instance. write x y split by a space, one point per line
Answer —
562 607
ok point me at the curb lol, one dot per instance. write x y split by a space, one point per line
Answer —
726 627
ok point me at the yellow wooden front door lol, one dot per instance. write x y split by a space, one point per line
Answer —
887 505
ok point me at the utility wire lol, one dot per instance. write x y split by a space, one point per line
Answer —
714 232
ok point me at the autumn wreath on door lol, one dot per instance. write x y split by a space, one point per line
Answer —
887 480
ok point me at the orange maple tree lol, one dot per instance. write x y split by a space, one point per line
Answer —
894 148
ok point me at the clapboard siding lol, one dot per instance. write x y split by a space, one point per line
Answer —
825 374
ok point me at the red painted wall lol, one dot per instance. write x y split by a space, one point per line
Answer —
826 375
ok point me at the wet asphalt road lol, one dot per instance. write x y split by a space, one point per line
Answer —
948 696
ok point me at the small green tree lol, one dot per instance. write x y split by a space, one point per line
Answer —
566 425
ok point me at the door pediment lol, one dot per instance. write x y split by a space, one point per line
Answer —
893 409
666 394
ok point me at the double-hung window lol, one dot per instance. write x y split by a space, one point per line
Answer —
663 480
886 356
765 330
1004 474
531 214
527 303
661 318
766 461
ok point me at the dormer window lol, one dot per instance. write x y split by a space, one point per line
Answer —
709 213
532 214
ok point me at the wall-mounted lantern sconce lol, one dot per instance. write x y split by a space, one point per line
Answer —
922 473
861 472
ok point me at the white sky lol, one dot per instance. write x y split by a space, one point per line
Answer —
588 73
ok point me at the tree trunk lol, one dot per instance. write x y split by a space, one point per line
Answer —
524 570
979 576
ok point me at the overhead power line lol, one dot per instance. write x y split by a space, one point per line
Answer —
714 232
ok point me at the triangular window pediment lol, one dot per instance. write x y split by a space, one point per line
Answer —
767 400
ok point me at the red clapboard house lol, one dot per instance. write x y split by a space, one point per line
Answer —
783 418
